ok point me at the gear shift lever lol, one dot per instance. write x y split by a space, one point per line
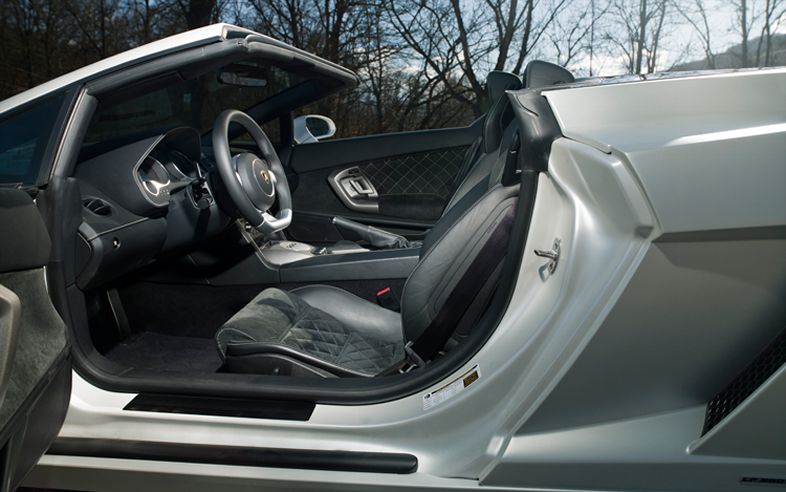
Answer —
376 237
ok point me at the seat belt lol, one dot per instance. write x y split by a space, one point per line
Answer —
434 337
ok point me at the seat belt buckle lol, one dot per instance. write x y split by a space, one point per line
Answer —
412 361
388 300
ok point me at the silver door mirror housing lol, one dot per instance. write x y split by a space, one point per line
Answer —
312 128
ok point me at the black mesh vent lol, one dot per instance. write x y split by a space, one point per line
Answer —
762 367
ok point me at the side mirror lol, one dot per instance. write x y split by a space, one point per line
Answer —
312 128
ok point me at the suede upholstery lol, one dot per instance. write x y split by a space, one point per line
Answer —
285 323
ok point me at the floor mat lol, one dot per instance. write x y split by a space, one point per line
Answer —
182 310
167 353
199 310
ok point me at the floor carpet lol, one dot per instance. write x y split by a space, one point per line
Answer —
167 353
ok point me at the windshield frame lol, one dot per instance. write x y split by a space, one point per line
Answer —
320 79
177 102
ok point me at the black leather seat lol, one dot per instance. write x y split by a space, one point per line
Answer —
483 156
325 331
317 329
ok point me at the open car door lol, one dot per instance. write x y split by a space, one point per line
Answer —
35 371
35 368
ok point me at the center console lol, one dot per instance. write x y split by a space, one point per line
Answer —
367 265
294 261
283 252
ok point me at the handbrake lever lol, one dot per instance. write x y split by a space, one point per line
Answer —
376 237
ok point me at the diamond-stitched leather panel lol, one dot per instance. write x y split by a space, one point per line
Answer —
275 316
433 172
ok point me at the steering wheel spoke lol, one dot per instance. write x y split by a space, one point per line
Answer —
274 223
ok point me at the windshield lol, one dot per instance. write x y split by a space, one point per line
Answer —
194 103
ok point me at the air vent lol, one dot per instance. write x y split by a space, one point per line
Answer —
759 370
97 206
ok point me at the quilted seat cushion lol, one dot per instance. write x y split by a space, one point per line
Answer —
282 322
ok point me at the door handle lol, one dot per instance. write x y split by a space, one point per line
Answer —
354 190
362 186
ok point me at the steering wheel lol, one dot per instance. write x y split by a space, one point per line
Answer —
252 182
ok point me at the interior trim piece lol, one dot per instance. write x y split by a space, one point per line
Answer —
351 461
369 265
89 233
10 314
224 407
354 189
372 220
334 152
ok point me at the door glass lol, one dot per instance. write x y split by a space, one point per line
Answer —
24 137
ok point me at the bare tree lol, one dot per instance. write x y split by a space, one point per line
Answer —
28 26
98 23
330 28
694 12
571 34
638 32
773 11
421 63
149 20
744 19
429 33
198 13
659 17
462 41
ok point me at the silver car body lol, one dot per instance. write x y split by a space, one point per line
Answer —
668 197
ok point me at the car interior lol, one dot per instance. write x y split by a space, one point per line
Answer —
208 243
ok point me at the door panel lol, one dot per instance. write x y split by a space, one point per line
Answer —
399 181
37 379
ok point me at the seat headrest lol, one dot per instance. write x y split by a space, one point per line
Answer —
539 73
495 122
498 82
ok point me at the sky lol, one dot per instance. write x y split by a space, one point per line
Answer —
681 42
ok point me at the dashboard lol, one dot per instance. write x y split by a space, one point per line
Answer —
167 170
143 200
